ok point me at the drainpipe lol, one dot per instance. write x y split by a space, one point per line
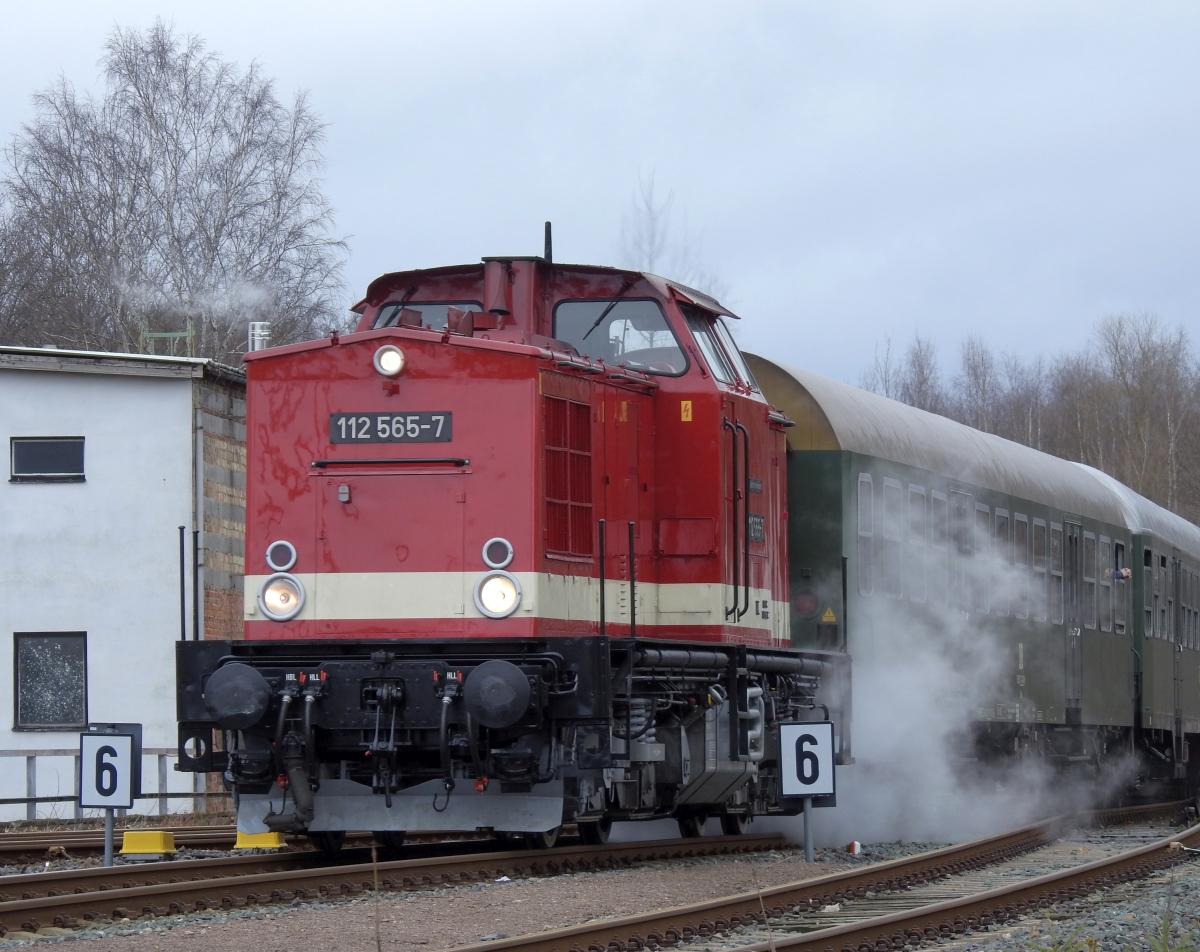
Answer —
198 524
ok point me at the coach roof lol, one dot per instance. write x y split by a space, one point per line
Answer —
835 416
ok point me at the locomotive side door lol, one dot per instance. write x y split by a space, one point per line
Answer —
623 415
1074 621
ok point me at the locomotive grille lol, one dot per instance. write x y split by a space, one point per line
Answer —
568 462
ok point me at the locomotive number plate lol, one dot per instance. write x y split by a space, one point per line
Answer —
428 426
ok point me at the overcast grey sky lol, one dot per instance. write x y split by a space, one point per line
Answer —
851 170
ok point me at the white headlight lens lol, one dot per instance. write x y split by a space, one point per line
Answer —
497 594
281 597
389 360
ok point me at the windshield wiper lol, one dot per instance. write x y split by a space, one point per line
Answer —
611 304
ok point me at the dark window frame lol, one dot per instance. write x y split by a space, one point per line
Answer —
18 725
29 477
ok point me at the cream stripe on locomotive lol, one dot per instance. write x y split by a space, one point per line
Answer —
369 595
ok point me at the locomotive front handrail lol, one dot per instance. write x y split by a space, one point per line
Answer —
453 460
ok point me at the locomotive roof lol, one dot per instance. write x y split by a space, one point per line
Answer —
830 415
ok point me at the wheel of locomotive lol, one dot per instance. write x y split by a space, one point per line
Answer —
734 824
596 832
691 826
390 839
327 841
542 841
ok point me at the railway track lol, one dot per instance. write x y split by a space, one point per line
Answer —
780 910
78 897
34 845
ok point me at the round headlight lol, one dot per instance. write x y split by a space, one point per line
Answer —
497 594
281 596
497 553
389 360
281 556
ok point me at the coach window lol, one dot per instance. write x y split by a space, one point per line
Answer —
1040 587
960 512
1104 606
1020 587
1120 592
1148 593
866 540
633 333
46 459
890 542
939 548
982 568
1089 580
1169 599
1160 598
914 560
1056 574
1002 587
51 680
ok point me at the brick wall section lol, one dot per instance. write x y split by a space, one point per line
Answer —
221 399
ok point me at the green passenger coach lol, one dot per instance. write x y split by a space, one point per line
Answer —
1051 603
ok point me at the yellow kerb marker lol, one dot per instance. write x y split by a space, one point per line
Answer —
685 411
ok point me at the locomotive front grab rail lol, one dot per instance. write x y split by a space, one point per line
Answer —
452 460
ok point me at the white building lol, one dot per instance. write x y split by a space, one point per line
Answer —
109 455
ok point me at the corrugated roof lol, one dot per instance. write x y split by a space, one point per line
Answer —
833 415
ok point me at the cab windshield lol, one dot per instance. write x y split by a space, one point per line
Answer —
634 333
716 344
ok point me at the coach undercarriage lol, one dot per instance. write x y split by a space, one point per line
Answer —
515 735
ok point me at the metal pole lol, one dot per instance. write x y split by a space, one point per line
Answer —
632 587
602 578
108 836
195 585
31 786
183 583
808 830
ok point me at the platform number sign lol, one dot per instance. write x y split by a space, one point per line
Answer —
106 771
806 755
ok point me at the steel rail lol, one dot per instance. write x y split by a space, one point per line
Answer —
70 909
669 927
35 843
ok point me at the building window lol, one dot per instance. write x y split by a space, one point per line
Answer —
866 553
51 680
915 560
46 459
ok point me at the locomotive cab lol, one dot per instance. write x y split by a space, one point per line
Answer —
515 556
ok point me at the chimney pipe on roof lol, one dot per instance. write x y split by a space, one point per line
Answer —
259 335
549 252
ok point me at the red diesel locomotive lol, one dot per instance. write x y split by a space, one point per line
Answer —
515 557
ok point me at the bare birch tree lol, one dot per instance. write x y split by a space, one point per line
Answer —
184 199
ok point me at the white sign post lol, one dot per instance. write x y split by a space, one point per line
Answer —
806 759
106 772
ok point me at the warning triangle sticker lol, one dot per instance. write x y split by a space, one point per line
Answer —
829 615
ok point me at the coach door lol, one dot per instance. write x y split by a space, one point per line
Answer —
1073 570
